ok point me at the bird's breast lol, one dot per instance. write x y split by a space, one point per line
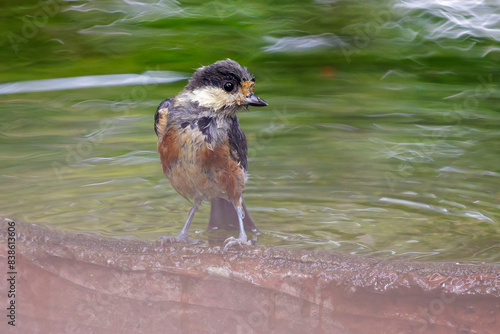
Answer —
200 169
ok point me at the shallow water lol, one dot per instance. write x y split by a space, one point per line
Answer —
382 135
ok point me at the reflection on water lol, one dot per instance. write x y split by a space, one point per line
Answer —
381 137
453 19
147 78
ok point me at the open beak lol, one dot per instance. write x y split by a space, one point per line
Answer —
255 101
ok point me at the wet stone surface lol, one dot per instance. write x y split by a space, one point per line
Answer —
79 281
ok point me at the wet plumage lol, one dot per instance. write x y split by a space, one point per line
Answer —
202 148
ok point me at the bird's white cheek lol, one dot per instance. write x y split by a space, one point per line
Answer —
211 97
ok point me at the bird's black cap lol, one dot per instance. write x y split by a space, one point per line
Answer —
218 73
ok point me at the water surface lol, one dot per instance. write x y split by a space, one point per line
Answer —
382 135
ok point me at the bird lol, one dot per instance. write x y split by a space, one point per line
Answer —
202 148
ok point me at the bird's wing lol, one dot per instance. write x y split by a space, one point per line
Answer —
161 117
238 144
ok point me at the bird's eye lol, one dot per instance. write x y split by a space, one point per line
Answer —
228 86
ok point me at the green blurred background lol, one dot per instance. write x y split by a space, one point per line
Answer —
382 135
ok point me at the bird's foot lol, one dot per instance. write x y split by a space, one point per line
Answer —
181 238
232 241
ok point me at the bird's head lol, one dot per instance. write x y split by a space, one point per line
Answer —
224 87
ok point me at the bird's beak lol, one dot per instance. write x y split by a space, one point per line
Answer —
255 101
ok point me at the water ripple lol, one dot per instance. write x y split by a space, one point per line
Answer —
456 18
135 10
413 204
294 44
147 78
131 158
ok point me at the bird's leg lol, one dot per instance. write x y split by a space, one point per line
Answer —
183 236
242 238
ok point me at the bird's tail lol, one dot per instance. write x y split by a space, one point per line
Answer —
223 215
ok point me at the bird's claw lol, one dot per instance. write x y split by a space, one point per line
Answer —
181 238
232 241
